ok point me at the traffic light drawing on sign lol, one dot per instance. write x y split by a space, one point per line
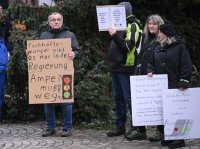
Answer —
67 86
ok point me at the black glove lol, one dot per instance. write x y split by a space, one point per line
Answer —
183 84
138 69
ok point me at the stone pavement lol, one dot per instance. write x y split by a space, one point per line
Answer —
28 136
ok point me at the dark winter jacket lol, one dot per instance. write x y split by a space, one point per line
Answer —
173 60
146 53
117 53
63 33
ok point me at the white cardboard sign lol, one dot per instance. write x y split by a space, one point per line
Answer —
111 16
146 99
181 111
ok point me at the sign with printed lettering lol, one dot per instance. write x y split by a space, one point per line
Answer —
181 113
111 16
146 99
50 71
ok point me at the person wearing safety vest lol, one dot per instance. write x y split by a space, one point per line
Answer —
121 61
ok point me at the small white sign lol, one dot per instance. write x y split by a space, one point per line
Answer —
111 16
181 113
146 99
47 2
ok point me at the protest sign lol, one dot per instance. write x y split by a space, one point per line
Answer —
181 113
50 71
111 16
146 99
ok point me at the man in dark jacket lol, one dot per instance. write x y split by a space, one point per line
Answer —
57 31
121 60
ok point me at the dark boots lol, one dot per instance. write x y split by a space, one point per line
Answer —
132 134
177 144
135 134
116 132
166 142
48 132
157 136
173 143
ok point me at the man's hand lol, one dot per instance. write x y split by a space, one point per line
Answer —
72 55
112 31
150 74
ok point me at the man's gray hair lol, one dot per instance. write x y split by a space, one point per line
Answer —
54 13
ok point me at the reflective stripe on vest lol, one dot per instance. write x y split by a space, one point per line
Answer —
131 52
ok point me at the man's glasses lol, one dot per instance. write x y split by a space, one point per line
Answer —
54 20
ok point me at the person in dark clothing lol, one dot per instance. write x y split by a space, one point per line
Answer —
151 30
121 61
171 58
5 24
57 31
150 43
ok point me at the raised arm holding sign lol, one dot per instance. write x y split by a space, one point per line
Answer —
121 63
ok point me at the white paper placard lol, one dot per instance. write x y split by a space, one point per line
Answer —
146 99
181 112
111 16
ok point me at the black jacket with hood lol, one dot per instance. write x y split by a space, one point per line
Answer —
117 52
173 60
146 53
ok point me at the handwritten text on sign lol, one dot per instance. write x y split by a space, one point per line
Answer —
181 113
50 71
111 16
146 99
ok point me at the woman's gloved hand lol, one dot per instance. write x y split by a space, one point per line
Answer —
183 84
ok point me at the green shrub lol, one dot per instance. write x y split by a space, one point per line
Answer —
92 81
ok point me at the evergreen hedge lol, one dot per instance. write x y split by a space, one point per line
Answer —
92 81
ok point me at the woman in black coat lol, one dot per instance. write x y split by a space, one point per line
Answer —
171 58
151 30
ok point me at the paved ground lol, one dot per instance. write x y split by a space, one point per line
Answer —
28 136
